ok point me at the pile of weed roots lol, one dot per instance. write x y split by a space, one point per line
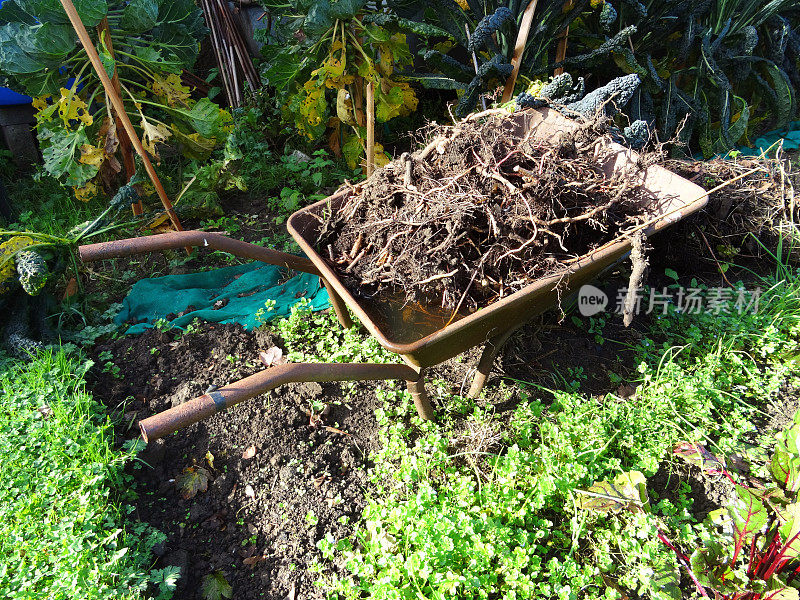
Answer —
479 213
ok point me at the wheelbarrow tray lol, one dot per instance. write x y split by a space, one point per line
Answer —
666 198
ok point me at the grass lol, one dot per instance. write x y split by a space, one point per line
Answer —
45 206
65 529
482 505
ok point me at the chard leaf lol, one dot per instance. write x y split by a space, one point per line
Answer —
790 530
783 593
699 456
624 491
748 513
711 567
785 468
785 464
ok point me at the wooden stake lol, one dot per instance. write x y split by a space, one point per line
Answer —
122 136
370 128
519 49
116 102
561 49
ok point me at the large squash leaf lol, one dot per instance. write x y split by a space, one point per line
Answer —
59 148
139 16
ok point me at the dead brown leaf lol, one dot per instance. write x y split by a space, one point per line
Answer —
254 560
191 481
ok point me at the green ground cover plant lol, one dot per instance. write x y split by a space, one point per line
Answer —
483 505
65 526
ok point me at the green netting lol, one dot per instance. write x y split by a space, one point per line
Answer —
789 134
239 293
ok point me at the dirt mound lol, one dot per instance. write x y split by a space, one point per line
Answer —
265 510
479 213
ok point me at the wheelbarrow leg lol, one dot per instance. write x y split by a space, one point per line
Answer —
490 351
339 306
420 396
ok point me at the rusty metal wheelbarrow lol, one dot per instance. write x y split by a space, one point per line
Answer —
421 338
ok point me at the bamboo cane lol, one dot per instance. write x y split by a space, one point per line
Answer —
370 128
561 48
122 136
561 51
519 49
116 102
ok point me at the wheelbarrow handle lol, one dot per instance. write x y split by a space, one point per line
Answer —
181 239
204 406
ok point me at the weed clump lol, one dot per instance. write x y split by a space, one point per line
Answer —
482 211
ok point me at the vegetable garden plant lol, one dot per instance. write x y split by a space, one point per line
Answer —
152 41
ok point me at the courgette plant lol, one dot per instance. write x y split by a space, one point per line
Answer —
321 73
152 42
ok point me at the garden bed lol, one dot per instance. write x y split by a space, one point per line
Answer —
310 483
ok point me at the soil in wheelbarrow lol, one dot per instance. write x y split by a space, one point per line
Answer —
480 213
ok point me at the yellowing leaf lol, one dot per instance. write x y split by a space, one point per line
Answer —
171 89
8 269
91 155
344 107
153 134
381 158
72 108
85 192
191 481
624 491
40 103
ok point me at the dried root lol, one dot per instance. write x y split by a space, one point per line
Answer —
478 214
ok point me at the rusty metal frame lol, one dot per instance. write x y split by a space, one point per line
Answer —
209 404
215 241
